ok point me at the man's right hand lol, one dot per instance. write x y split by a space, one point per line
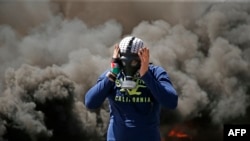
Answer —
116 51
115 62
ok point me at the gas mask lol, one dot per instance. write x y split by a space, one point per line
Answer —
130 65
130 60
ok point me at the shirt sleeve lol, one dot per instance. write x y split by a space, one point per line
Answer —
96 95
157 80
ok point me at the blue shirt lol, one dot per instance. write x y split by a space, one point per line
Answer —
134 114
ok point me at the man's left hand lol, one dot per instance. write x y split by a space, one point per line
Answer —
144 57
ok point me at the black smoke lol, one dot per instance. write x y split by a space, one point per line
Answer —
51 53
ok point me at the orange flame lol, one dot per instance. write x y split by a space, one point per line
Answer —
178 134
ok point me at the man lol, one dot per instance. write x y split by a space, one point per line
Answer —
136 90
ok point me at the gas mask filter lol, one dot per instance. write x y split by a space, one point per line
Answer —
130 60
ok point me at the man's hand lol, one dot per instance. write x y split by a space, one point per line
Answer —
144 56
115 62
116 51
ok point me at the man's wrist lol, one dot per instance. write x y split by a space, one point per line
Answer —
111 76
115 65
143 72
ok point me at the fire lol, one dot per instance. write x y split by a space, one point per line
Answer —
178 134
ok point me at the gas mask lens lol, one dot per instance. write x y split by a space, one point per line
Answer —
134 63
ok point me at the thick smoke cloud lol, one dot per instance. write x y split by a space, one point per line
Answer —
48 64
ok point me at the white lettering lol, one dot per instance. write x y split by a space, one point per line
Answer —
243 131
231 132
235 132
